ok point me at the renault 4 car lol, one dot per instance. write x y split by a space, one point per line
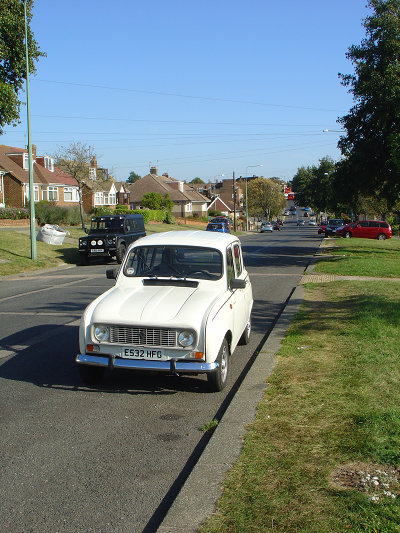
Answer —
181 304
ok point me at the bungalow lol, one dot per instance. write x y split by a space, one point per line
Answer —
51 184
187 201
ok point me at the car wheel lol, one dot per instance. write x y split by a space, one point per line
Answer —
217 379
121 250
245 338
91 375
381 237
347 235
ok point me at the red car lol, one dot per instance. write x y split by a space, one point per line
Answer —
367 229
322 226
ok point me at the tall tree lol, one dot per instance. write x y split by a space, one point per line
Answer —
371 146
75 160
12 57
265 198
133 177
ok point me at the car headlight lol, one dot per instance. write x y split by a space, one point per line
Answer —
186 338
101 333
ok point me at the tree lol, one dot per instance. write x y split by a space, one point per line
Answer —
265 198
155 200
133 177
12 57
371 146
197 181
75 160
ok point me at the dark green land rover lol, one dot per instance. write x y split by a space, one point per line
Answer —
110 236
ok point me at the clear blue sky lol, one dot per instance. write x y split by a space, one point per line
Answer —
195 88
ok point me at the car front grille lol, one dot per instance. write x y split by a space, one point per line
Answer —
143 336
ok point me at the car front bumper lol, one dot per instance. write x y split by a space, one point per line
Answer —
173 366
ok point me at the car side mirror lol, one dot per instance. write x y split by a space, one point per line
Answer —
112 273
237 283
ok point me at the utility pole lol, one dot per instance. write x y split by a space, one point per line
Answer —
234 201
30 171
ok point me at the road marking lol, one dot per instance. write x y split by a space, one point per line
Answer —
44 289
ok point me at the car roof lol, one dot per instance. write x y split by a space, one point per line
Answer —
189 238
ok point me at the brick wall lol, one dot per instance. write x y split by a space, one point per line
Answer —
13 192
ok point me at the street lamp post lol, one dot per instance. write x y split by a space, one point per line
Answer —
30 171
247 202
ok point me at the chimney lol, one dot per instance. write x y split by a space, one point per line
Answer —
93 162
33 151
154 171
165 175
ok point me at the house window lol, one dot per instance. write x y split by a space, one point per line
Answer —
98 198
92 173
50 194
26 161
49 163
35 193
71 194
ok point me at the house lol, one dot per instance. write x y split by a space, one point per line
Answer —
187 201
49 183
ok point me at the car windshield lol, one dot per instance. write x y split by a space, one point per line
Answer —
107 224
174 262
335 222
215 226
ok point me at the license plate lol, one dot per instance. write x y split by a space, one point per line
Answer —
143 353
96 250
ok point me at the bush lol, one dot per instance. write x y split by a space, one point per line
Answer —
169 219
101 211
214 213
14 213
72 216
49 213
122 209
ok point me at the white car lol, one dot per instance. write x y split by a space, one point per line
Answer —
266 226
312 222
181 304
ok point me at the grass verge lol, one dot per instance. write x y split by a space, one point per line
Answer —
361 257
15 248
323 452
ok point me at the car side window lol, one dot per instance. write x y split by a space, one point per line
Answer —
383 225
363 224
230 267
238 259
374 224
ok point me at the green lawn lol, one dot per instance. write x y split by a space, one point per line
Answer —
361 257
323 452
15 248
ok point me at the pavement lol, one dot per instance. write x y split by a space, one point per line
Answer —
198 497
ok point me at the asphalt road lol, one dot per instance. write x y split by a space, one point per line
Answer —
79 459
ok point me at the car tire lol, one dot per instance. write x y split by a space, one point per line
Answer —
245 338
347 235
381 237
91 375
120 253
218 378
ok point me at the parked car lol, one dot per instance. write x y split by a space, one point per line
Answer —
276 226
180 305
110 236
286 212
312 222
266 226
280 222
306 209
367 229
332 225
223 220
300 222
321 227
218 226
